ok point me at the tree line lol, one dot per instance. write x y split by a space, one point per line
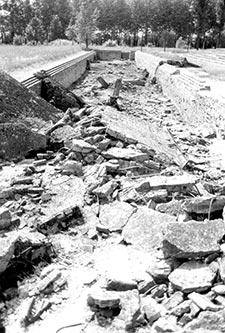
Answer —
130 22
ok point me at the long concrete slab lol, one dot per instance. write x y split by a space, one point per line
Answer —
197 97
66 73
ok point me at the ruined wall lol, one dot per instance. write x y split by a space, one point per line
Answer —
196 102
66 73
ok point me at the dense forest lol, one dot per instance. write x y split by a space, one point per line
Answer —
131 22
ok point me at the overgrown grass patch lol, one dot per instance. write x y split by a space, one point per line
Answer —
14 58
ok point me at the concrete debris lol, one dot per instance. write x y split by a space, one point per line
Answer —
103 299
146 228
115 216
121 208
5 218
152 309
205 237
173 301
202 205
192 276
203 302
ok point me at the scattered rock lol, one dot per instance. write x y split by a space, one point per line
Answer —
7 249
152 309
193 239
5 218
72 168
145 228
103 299
82 146
203 302
115 216
192 276
173 301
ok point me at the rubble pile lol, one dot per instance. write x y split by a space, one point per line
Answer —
122 215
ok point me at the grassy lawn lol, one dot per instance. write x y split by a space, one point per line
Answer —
13 58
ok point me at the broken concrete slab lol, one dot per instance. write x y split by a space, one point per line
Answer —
121 285
16 140
173 301
126 154
152 309
81 146
145 228
167 324
119 262
159 267
7 248
103 299
115 216
68 195
5 218
193 239
207 320
192 276
203 302
204 205
130 309
134 130
106 190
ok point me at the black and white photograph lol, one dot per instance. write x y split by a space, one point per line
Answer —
112 166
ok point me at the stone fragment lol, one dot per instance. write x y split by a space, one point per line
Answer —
152 309
193 239
167 324
145 228
220 300
222 268
182 308
207 320
7 247
219 289
173 301
46 281
202 205
173 207
104 144
127 129
159 292
159 267
106 190
25 180
125 153
192 276
145 284
72 168
82 146
203 302
172 183
5 218
130 309
121 285
103 299
122 263
115 215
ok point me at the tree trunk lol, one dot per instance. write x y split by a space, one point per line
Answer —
86 42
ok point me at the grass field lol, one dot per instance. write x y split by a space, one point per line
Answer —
14 58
